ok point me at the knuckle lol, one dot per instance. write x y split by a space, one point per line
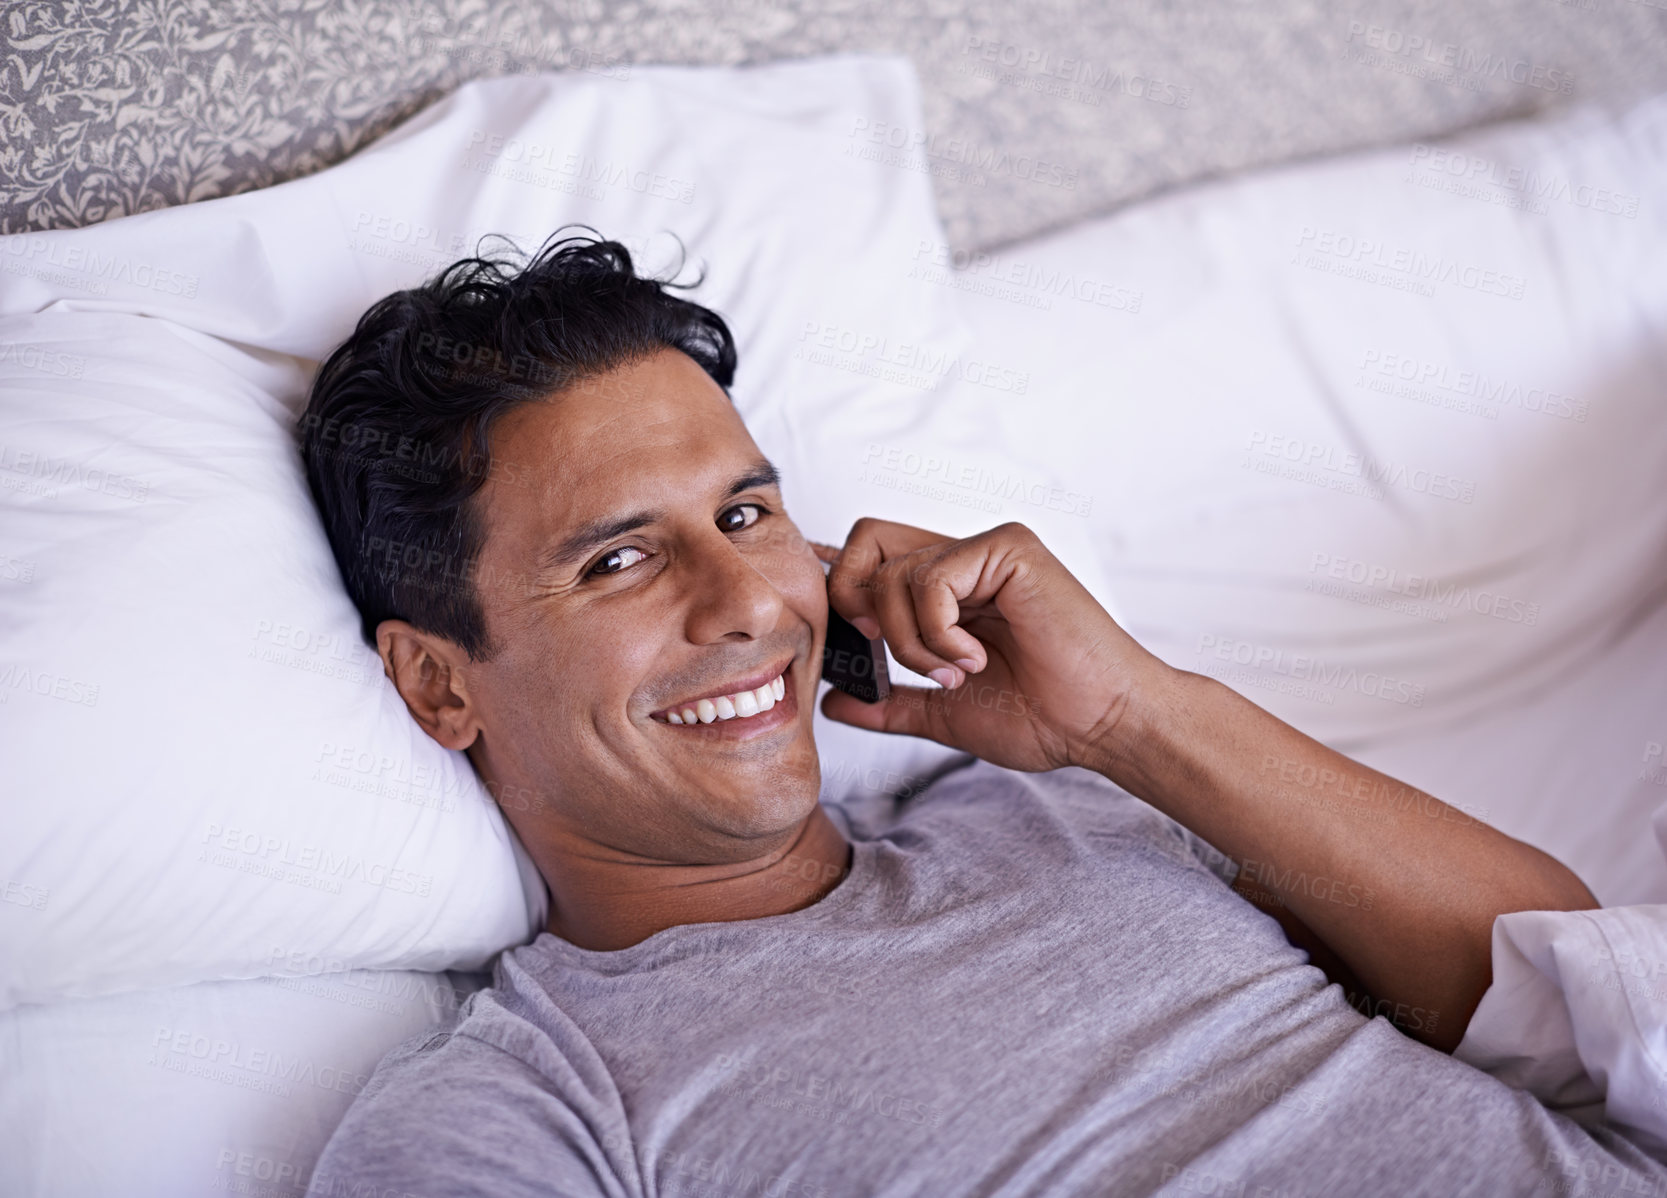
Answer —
941 652
913 657
928 567
889 573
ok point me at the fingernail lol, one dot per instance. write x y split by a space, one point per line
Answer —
867 626
943 676
967 664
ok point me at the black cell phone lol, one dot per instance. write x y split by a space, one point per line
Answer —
851 661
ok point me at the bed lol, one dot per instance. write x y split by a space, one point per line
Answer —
1338 432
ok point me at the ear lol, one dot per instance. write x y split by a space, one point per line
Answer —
428 673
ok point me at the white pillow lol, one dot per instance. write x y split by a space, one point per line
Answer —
1480 322
204 762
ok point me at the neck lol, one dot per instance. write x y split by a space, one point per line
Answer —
607 905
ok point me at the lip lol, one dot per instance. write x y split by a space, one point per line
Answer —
751 682
782 719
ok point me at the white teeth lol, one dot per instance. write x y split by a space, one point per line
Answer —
731 707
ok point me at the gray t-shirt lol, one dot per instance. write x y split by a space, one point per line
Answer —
1028 984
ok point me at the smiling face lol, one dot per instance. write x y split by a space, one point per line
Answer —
637 566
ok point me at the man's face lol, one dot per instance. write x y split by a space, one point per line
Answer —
663 570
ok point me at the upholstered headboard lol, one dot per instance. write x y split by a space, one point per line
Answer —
1037 113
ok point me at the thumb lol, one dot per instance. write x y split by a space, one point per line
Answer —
907 711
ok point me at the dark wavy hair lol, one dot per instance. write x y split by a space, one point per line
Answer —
396 434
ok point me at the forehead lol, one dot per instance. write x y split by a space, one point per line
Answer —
649 433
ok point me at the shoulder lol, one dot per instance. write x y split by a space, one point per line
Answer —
1073 804
464 1112
985 791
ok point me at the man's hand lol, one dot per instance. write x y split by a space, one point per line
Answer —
1399 887
1036 673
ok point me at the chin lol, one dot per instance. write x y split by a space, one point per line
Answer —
767 811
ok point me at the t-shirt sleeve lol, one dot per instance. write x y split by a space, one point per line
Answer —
1218 862
455 1117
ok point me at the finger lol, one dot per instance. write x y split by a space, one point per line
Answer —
935 592
894 606
868 545
922 599
907 711
851 594
962 580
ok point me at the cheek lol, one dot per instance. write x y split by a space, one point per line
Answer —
809 595
804 591
609 661
797 574
579 674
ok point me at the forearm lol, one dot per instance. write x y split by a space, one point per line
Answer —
1401 887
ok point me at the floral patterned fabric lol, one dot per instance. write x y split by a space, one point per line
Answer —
1037 114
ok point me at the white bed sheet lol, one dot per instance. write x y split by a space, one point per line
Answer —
221 1088
1577 1015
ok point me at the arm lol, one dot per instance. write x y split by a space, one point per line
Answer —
1399 889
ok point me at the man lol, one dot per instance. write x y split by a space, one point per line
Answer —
1022 981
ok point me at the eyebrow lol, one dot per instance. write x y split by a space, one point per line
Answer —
593 534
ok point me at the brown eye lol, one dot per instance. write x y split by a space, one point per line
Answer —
616 555
728 523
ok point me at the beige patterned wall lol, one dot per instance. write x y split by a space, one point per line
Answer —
1036 113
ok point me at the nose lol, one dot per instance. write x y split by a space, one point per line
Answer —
730 598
